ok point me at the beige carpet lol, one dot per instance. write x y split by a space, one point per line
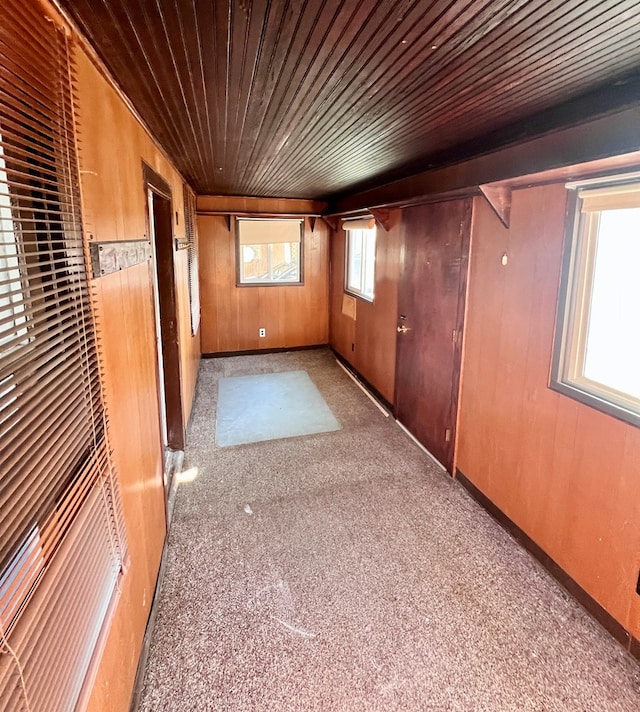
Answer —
343 571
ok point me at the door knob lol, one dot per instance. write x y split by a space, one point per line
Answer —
402 329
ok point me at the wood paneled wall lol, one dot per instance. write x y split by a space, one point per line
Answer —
112 147
566 474
232 316
368 342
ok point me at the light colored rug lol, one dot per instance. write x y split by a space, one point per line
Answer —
270 406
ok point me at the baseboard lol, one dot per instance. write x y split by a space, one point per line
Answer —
606 620
363 381
255 352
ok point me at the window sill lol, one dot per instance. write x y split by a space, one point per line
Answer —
596 401
357 295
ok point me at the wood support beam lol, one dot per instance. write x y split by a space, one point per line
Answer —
596 140
498 196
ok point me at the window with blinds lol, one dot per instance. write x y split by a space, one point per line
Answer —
61 531
269 250
597 346
192 256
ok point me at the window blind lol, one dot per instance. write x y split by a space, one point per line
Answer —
192 257
612 197
265 231
61 531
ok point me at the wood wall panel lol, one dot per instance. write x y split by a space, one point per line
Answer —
244 204
112 147
125 322
563 472
373 334
232 316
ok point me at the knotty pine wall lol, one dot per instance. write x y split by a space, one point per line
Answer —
232 316
112 147
566 474
368 342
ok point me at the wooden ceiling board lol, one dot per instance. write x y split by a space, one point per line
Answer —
320 98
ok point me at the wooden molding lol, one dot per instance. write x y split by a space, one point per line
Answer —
247 205
498 195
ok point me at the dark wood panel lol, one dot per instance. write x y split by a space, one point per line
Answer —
430 306
277 98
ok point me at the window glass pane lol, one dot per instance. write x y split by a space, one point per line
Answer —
369 262
354 272
361 261
613 338
270 262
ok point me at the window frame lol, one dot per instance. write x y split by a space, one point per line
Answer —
347 260
574 300
238 250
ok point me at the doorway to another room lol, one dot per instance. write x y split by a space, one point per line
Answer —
160 225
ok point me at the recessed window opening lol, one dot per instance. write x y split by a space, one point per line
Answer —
360 260
269 251
597 348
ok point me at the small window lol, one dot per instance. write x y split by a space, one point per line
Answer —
597 348
360 259
269 251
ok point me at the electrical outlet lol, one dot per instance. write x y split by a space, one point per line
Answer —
262 333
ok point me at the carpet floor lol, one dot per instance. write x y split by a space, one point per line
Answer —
344 571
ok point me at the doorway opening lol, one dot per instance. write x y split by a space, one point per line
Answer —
160 224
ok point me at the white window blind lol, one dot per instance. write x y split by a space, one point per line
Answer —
269 231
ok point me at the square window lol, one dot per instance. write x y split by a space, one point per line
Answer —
597 347
269 251
360 262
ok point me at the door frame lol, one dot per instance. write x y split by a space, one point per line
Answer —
160 231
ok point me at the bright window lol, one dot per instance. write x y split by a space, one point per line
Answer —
269 251
597 353
361 262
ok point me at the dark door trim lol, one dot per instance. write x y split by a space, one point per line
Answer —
163 236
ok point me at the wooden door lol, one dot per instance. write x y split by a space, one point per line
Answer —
431 309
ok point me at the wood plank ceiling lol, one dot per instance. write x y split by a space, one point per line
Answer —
316 98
